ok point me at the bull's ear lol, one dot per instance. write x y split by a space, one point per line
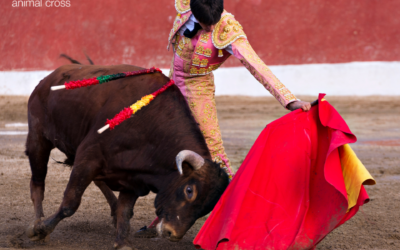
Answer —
194 159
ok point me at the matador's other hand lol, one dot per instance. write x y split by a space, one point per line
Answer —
305 106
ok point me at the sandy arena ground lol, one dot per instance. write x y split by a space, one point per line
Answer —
375 120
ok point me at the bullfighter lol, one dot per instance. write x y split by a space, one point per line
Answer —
203 37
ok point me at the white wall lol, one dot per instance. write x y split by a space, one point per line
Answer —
356 78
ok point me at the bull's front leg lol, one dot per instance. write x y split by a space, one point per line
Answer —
81 177
124 213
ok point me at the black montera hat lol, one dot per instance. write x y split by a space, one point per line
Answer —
207 12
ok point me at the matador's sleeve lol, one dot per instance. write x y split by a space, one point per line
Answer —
244 52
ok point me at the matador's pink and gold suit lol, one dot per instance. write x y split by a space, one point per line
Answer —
195 59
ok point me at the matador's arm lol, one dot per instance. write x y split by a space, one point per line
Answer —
242 50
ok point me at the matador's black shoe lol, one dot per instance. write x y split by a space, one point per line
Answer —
145 232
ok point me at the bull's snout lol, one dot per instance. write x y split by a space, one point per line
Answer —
170 236
166 231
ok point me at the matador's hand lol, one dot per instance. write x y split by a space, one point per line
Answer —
305 106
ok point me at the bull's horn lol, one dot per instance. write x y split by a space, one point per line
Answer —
191 157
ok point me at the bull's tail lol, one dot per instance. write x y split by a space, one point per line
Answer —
67 162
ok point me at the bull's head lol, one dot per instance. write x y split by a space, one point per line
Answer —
192 196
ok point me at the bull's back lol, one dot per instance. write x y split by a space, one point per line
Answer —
67 117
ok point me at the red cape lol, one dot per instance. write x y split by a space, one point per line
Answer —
289 192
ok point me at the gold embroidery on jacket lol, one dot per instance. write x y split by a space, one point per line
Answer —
199 50
182 6
227 31
208 52
196 61
204 37
181 44
284 91
194 71
279 85
214 67
204 63
179 53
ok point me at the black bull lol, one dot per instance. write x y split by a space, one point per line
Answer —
140 155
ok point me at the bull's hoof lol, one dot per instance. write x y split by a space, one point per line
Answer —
145 232
34 234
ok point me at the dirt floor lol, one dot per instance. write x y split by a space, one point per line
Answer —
375 120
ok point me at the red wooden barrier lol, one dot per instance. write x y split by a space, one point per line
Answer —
135 32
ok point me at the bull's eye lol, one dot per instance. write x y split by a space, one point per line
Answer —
189 192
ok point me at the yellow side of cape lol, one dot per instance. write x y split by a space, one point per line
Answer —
354 173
